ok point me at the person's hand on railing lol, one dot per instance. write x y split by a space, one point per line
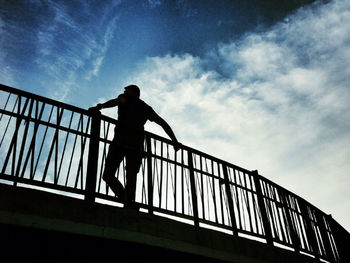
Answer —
177 146
98 107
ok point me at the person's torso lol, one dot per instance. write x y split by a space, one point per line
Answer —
133 113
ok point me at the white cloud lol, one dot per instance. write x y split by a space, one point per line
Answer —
275 101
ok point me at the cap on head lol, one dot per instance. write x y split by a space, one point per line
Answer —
133 90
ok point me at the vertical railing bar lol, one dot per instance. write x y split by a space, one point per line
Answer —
56 150
258 215
83 149
7 100
149 174
72 155
265 219
155 177
167 178
65 144
24 139
323 232
25 133
286 217
301 226
18 123
13 138
208 195
246 197
275 223
296 219
280 216
234 175
8 123
161 175
58 121
310 234
93 153
80 172
200 184
230 200
221 182
144 187
182 181
290 224
35 131
193 189
189 195
253 205
175 181
254 211
105 135
241 205
31 149
274 212
283 217
80 126
332 237
214 192
43 140
172 179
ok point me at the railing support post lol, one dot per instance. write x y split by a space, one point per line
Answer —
342 240
193 189
290 224
261 203
325 238
149 174
229 200
310 232
91 174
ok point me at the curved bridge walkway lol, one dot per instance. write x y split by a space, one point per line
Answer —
56 147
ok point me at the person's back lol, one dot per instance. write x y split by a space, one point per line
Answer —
133 113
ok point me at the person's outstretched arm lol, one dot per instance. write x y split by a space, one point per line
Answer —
161 122
109 104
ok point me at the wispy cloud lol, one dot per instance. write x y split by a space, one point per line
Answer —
275 101
71 51
6 72
154 3
101 48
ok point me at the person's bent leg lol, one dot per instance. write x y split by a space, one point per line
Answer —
113 160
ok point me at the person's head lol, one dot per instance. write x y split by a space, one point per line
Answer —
132 91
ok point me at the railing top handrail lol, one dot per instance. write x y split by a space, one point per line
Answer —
44 99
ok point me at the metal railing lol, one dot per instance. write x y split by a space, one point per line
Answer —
49 144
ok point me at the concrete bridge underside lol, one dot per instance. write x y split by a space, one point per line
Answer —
46 227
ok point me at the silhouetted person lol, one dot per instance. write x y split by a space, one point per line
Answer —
128 140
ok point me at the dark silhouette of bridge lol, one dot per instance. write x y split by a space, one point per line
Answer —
52 158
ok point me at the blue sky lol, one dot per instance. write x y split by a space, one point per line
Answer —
261 84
